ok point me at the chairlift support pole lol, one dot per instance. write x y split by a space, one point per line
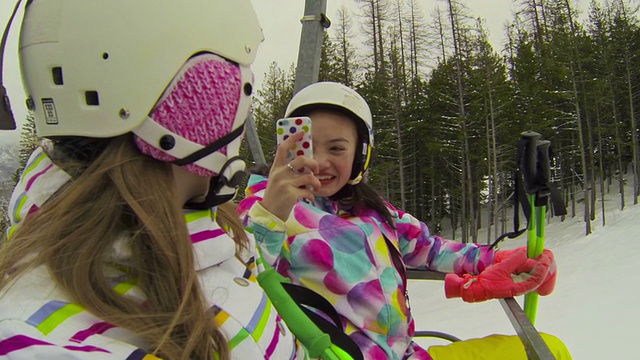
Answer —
313 22
254 142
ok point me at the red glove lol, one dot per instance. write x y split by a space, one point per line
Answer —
512 276
548 284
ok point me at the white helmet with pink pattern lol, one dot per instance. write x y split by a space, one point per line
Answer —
175 73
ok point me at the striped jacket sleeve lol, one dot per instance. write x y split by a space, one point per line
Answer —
19 340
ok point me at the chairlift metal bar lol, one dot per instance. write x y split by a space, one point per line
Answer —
535 347
424 275
437 334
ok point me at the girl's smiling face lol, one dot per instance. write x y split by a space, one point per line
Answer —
334 147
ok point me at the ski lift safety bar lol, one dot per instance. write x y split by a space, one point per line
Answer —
535 347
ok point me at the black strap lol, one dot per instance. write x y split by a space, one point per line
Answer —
520 201
558 207
532 177
308 299
5 35
211 148
216 184
338 337
7 121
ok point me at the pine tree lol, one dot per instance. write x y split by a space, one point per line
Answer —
374 13
28 142
4 218
330 67
346 54
491 95
270 105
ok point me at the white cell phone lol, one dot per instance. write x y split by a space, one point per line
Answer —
289 126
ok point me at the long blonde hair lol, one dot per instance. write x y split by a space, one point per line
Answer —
73 234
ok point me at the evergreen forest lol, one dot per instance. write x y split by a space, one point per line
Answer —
449 108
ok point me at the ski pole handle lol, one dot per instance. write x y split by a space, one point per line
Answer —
529 140
535 245
543 163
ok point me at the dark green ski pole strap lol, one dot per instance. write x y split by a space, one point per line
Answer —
532 176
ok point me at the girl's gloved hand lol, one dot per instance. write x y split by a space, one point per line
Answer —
548 284
512 276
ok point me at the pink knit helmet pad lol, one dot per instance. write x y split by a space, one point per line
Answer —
199 105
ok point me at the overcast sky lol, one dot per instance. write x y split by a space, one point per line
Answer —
280 20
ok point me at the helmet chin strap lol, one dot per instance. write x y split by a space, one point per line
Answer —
222 188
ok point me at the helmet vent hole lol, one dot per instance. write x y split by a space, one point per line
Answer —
91 97
56 73
105 55
248 89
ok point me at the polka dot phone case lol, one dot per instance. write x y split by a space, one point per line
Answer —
289 126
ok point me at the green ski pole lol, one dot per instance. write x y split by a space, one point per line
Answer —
534 248
529 168
535 245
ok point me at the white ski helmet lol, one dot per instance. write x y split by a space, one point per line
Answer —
339 97
100 69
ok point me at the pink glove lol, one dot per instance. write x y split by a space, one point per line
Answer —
548 284
512 276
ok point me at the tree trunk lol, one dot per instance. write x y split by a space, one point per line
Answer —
403 70
581 143
601 165
634 132
380 40
617 141
466 167
396 79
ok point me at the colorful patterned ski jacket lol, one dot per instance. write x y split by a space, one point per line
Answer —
37 320
343 255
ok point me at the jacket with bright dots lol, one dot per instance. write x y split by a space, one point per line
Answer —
342 254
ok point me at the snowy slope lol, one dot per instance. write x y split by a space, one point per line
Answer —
594 306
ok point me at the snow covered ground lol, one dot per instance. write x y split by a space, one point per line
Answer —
594 308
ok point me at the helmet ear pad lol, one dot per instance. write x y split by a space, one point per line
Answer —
199 107
364 152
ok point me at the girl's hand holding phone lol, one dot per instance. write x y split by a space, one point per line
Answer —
303 147
286 183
